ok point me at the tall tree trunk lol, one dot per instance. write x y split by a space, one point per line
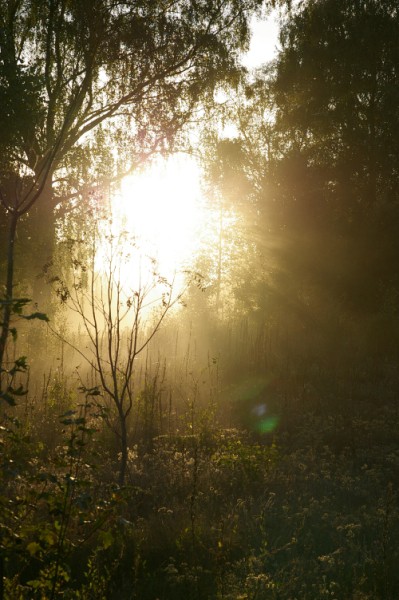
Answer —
219 259
124 447
1 577
36 246
9 284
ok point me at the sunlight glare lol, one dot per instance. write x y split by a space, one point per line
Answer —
163 207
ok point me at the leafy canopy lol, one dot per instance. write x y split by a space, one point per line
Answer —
66 66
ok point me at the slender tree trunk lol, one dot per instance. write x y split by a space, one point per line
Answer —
1 577
9 284
124 448
37 249
219 259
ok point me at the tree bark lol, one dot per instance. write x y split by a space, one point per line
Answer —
124 448
8 299
36 245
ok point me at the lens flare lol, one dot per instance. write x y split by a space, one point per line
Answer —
267 425
255 401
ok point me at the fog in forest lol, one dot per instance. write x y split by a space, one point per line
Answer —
199 332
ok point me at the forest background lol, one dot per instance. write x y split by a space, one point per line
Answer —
230 431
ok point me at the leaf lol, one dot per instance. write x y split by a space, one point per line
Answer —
36 315
19 391
94 391
49 538
8 398
68 413
17 304
20 366
33 548
106 539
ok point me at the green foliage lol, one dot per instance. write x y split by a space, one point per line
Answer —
17 306
49 510
63 71
222 513
10 387
314 274
331 176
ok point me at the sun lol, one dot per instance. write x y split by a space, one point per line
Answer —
164 208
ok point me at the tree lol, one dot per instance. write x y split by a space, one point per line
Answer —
229 192
319 129
318 137
67 67
121 299
336 89
336 97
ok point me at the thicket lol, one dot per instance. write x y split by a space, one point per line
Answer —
266 478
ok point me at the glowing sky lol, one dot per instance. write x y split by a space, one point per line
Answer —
264 41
